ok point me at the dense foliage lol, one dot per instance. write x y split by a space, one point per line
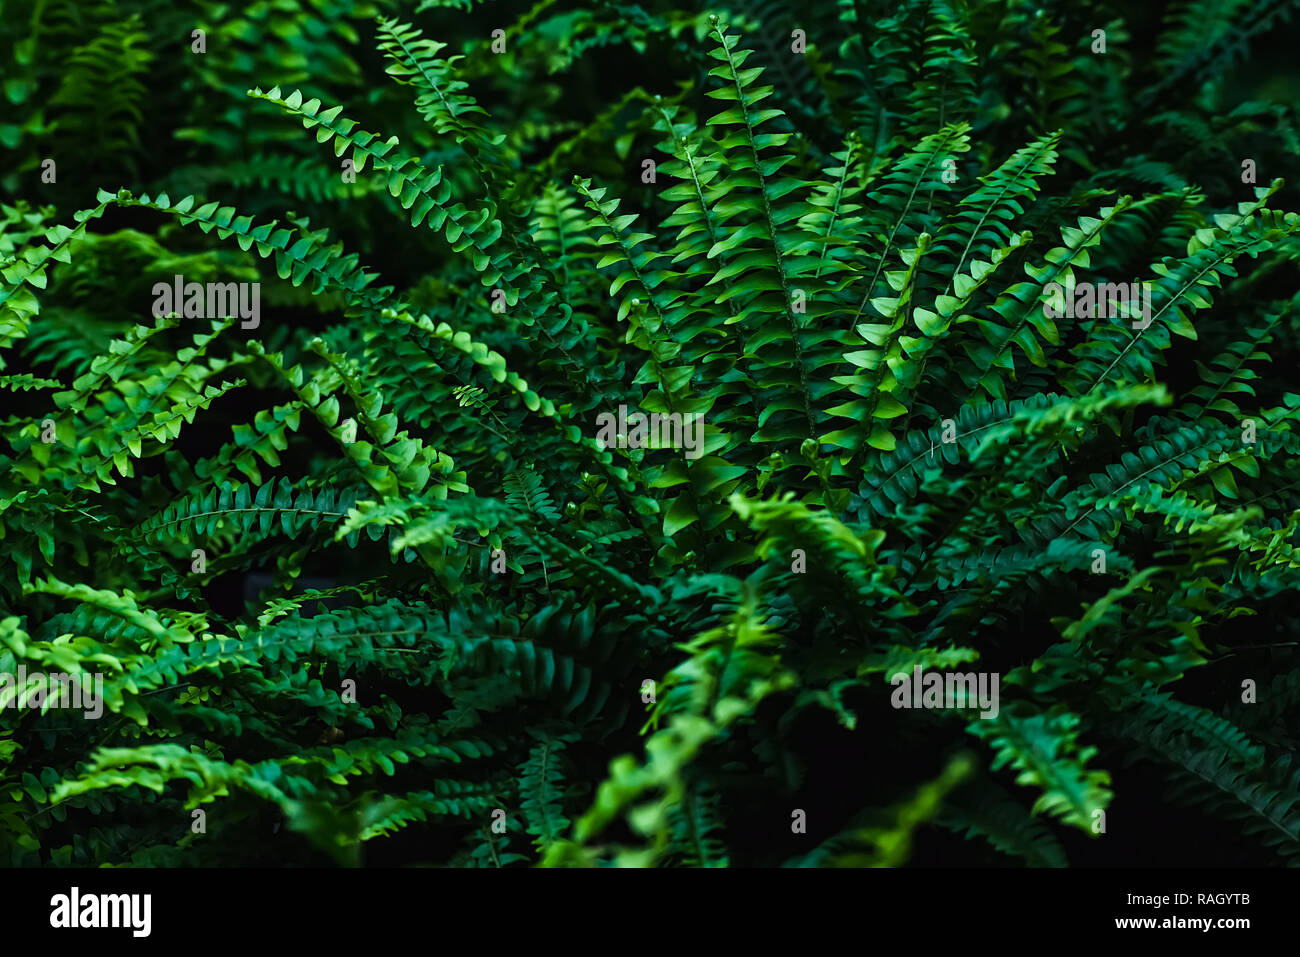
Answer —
364 585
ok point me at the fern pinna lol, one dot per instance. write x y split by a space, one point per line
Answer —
413 596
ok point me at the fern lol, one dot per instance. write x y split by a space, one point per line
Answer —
371 572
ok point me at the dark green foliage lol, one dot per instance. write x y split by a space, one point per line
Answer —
365 585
